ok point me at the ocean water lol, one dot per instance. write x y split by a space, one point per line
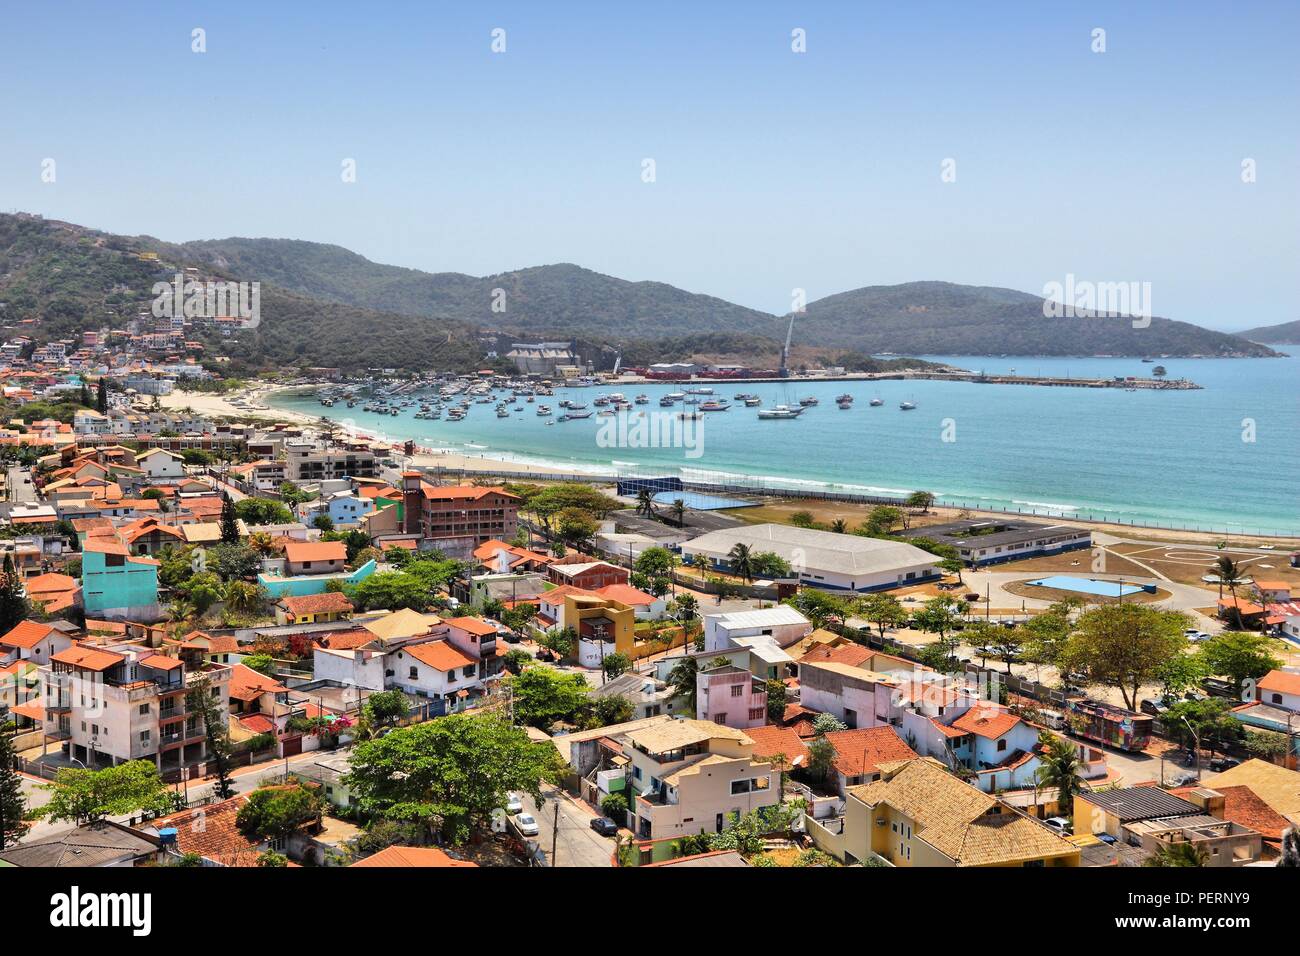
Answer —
1226 457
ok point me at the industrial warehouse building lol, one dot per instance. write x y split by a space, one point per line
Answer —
824 559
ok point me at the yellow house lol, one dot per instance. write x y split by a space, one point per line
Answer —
604 627
919 814
313 608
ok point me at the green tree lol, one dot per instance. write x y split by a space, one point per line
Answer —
80 795
576 528
777 697
1181 673
272 859
199 702
449 774
1125 646
645 503
921 501
615 665
233 560
387 707
1177 854
244 597
1239 656
881 521
14 606
820 607
262 511
682 678
262 663
882 610
940 615
101 396
13 805
543 695
611 709
741 562
1060 769
821 757
678 510
278 812
614 806
390 590
655 562
229 523
1211 721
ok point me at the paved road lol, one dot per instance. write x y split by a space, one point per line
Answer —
578 844
20 490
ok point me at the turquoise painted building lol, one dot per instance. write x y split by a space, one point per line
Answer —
116 584
301 585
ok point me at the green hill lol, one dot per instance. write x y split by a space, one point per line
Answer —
1288 333
948 319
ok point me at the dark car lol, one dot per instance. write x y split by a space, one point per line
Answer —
604 826
1219 764
1153 707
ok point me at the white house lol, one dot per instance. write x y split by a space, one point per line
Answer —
434 669
782 623
158 463
1280 688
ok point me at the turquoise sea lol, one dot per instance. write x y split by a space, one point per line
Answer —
1226 457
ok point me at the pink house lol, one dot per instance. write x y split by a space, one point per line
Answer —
731 696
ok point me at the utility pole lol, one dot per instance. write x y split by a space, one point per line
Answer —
555 828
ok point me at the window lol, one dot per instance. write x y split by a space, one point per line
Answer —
737 690
1002 745
144 708
1277 698
414 673
740 786
144 737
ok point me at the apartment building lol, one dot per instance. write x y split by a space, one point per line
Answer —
308 462
458 518
118 700
692 776
731 696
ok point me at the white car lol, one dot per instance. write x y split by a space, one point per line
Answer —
514 803
527 824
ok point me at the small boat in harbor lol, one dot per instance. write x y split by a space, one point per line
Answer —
877 402
665 402
643 400
779 412
570 416
543 410
907 406
809 402
714 406
753 401
844 403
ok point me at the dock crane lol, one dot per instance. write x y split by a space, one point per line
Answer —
785 350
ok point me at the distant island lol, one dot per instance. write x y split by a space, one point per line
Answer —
325 306
1288 333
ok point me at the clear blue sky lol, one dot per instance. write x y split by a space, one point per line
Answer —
774 170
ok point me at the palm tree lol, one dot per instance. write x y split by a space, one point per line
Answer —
1229 573
645 502
679 512
1060 770
839 526
244 596
1177 854
682 678
742 563
180 611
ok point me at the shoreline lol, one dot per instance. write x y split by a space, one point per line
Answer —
523 468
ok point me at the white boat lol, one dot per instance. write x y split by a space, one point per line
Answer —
877 402
907 406
844 403
809 402
780 412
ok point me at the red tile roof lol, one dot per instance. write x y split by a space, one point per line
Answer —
854 655
161 662
861 751
986 722
439 655
462 492
210 831
87 658
1280 682
328 602
411 856
247 684
1242 805
315 551
26 634
772 740
473 625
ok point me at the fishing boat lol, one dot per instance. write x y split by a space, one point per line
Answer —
907 406
570 416
665 402
543 410
844 403
643 399
846 397
714 406
675 396
877 402
753 401
779 412
809 402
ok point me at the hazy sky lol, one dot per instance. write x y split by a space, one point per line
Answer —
774 169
